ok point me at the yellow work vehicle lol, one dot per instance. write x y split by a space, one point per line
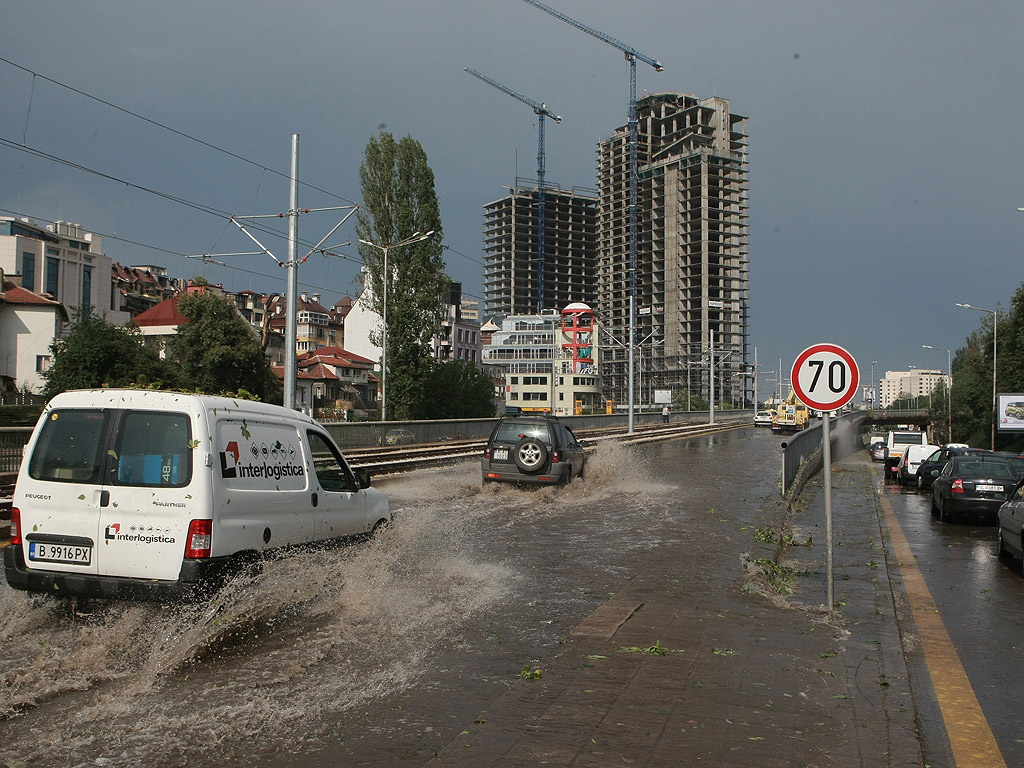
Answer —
790 416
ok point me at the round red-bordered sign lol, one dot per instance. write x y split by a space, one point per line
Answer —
825 377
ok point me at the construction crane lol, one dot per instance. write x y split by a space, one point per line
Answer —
632 54
541 111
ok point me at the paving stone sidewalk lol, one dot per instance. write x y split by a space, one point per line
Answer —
725 670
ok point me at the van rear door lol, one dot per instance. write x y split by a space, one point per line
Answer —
146 503
60 490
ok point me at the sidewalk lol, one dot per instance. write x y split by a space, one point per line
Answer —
728 669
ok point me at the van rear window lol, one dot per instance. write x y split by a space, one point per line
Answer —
153 448
70 446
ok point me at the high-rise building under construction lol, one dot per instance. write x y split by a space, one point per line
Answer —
512 284
691 253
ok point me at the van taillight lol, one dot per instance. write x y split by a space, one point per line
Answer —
200 538
15 526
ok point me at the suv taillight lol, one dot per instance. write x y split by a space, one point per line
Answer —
487 453
958 486
556 456
199 540
15 526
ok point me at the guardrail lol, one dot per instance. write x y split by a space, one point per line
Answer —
12 445
802 452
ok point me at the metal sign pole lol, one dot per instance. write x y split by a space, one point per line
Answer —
827 453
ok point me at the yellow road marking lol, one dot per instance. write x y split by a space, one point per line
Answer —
970 737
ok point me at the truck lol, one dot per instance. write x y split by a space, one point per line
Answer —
791 415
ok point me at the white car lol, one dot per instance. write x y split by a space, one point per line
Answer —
906 467
763 419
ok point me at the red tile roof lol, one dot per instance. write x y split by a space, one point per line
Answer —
15 294
164 313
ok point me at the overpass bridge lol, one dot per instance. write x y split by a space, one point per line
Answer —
918 417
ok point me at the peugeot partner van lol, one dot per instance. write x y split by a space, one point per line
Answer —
139 493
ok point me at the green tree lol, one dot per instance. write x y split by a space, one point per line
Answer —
684 400
456 390
399 202
96 353
218 351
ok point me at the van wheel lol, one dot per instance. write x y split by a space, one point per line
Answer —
379 528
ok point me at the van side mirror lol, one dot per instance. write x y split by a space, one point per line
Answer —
362 477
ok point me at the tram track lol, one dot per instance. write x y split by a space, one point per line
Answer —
406 458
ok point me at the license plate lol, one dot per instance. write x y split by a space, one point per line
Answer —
996 488
501 454
59 553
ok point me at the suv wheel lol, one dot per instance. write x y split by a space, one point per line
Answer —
530 455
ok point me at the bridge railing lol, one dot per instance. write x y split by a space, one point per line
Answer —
802 456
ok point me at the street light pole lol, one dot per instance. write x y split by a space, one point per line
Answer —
949 387
874 392
415 237
995 351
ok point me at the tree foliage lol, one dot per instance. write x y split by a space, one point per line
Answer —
972 377
399 202
96 353
217 351
456 389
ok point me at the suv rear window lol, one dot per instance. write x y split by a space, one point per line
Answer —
514 431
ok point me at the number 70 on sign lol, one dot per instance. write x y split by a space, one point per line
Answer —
825 377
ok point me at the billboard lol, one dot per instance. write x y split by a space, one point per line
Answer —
664 397
1011 412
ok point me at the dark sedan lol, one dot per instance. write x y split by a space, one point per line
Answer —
929 468
972 484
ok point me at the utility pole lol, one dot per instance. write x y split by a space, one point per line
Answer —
291 264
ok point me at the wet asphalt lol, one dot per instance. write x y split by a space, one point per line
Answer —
634 618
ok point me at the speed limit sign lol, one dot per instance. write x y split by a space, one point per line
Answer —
825 377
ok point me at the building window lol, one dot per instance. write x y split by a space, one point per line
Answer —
86 286
28 271
52 275
42 363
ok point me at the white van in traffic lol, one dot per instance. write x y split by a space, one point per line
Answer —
139 493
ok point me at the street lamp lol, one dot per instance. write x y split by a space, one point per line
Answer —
995 350
874 394
949 387
415 237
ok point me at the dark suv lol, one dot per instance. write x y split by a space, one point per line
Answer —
532 449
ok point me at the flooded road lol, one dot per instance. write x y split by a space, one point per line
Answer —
377 653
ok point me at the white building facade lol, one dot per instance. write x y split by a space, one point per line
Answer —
918 382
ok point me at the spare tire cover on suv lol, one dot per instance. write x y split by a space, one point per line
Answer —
530 455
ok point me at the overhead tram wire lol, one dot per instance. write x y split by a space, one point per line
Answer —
201 207
175 131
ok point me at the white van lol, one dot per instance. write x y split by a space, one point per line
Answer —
896 443
138 493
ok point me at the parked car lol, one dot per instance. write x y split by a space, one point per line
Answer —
1010 525
929 469
972 484
877 450
763 419
906 469
896 443
532 449
1016 461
